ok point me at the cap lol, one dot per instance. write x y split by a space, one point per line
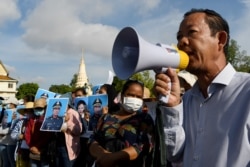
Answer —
97 102
11 100
44 95
57 104
40 103
28 105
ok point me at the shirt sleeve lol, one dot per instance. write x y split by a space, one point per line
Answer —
16 130
173 130
27 133
74 124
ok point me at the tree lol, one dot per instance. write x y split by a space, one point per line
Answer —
27 89
73 81
143 76
239 59
61 89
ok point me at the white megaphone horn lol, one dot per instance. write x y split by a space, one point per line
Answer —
133 54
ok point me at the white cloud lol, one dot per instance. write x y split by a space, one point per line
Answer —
68 27
9 11
65 28
58 28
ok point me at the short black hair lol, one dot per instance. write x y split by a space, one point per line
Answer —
130 82
82 89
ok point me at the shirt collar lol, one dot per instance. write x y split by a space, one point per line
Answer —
225 76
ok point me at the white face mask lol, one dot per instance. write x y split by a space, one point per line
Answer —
132 104
7 106
38 112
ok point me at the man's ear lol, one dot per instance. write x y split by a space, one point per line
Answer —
222 39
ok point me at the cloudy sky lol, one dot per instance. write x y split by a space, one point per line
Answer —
41 41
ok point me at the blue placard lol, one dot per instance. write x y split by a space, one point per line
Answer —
45 94
97 102
78 101
55 113
96 88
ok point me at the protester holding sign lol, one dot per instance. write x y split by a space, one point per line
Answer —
123 139
68 140
55 121
8 120
38 140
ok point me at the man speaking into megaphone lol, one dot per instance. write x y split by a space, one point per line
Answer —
211 121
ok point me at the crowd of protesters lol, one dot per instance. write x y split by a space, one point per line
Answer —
207 125
23 144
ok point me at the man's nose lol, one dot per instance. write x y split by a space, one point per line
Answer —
182 42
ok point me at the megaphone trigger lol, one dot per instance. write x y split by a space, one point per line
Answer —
165 98
160 70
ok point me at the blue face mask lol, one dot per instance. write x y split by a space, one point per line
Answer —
26 116
38 112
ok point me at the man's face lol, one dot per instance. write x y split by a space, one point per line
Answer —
194 37
97 109
56 110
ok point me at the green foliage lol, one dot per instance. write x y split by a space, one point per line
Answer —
61 89
27 89
73 81
141 76
237 58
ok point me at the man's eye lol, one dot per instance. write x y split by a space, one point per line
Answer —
190 32
178 37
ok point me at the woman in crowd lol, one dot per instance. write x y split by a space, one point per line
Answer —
124 138
8 145
68 140
17 134
81 160
38 140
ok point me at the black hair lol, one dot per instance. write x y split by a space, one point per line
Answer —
81 102
130 82
82 89
112 94
29 98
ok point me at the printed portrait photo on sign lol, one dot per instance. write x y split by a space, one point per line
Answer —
55 114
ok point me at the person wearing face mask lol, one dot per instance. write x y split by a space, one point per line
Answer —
124 138
7 145
38 140
17 134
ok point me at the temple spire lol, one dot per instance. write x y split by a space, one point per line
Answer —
82 79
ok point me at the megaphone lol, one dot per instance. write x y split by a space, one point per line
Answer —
132 54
